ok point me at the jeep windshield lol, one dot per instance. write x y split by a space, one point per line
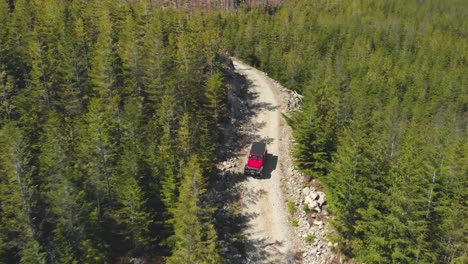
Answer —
256 157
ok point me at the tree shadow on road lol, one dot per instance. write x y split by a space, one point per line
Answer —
256 107
262 251
231 221
244 130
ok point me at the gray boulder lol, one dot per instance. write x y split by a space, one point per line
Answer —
321 198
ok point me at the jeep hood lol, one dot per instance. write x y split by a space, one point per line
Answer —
254 164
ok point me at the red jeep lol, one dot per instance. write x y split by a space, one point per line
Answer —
256 159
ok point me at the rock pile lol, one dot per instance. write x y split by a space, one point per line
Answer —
294 101
314 200
228 165
312 216
291 100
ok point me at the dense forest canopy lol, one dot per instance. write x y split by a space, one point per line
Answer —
110 115
109 118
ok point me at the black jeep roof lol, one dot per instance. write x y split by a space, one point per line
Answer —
258 148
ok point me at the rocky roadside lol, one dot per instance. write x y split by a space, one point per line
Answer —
311 215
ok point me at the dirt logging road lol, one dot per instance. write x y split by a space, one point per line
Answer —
269 234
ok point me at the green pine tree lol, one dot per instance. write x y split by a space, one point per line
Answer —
194 238
17 203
